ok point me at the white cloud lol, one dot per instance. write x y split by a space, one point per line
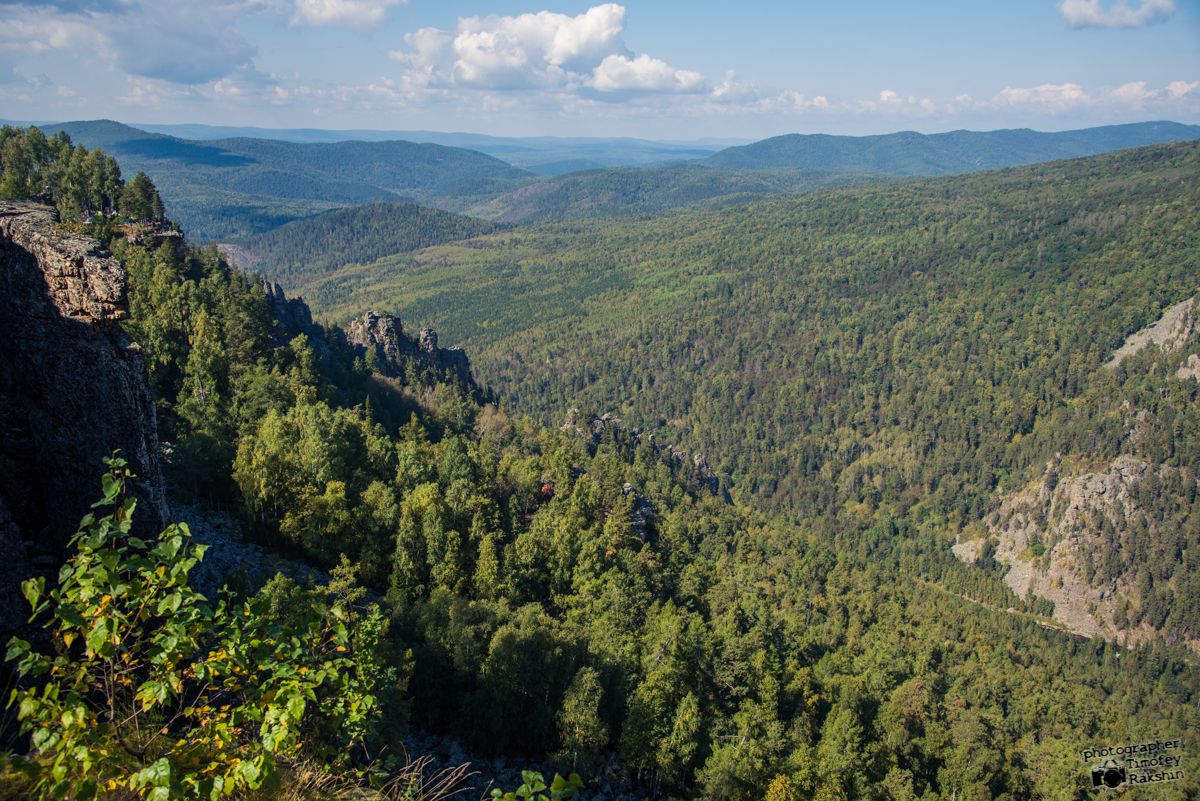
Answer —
643 74
547 51
1132 93
573 43
32 33
1048 97
1177 89
152 93
733 90
362 16
1090 14
492 59
892 103
1175 98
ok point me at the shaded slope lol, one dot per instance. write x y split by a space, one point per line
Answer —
225 189
307 249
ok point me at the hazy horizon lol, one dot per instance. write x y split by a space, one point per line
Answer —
659 71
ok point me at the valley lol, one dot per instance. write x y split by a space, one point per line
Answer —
864 359
783 482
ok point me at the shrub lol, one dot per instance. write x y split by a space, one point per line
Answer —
153 690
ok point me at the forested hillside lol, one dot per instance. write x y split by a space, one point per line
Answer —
305 250
232 189
864 368
911 153
875 360
625 191
224 189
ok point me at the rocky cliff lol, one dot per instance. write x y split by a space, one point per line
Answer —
1073 536
1107 541
293 313
1168 332
383 335
73 389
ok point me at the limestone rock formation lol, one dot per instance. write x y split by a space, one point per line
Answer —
384 335
1168 332
73 388
1063 512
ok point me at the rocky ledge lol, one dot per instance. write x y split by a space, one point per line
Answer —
73 390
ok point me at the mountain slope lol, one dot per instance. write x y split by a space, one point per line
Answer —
911 153
880 359
622 191
305 250
224 189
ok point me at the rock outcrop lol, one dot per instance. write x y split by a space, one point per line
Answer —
230 558
1062 514
1189 369
1168 332
293 314
73 389
383 335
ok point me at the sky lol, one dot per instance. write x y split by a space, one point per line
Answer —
655 69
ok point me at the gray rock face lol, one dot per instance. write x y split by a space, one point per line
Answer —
1168 332
73 386
1065 515
427 340
228 553
384 334
14 568
293 314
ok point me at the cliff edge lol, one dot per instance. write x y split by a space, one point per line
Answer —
73 389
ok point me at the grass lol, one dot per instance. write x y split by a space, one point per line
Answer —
417 780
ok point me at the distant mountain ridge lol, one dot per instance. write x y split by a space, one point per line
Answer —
232 188
530 152
235 189
912 153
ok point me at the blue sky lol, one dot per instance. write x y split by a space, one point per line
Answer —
659 69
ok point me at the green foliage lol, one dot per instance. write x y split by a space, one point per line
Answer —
880 360
630 191
153 690
306 249
534 788
801 629
584 733
79 182
140 200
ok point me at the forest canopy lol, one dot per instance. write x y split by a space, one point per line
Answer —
78 181
860 372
